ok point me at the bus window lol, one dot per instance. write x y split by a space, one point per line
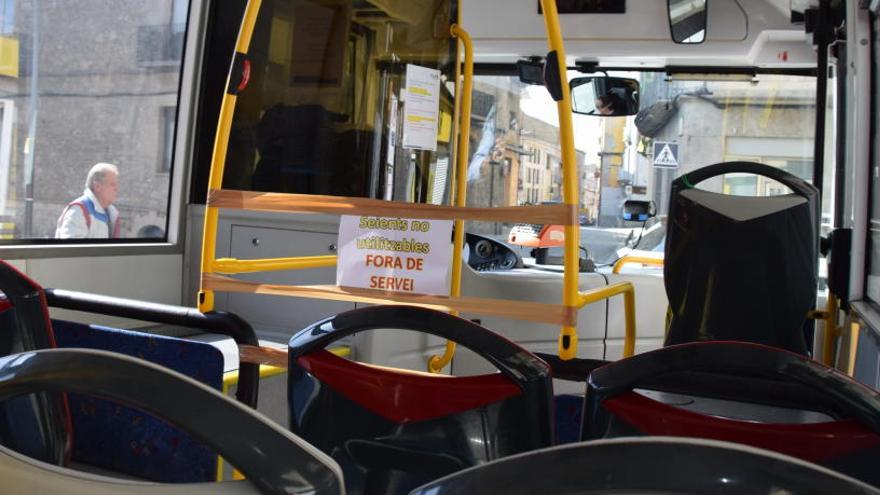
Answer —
89 82
682 126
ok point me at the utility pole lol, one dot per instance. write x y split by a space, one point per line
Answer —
30 143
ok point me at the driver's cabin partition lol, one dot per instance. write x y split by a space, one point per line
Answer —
364 107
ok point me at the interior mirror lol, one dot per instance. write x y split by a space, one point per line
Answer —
531 71
637 210
687 20
604 96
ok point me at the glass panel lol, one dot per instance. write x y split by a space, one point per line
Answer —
516 154
340 101
872 282
91 82
741 186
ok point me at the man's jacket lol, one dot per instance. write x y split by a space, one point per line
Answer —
84 218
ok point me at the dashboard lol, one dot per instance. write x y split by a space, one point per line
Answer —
485 254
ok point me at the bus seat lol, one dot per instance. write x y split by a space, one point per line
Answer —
392 430
741 268
647 465
739 392
36 425
125 440
272 460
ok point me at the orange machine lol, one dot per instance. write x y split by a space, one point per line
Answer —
536 235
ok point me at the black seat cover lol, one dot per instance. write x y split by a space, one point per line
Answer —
393 430
741 268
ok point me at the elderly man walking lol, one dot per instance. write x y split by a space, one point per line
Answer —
92 215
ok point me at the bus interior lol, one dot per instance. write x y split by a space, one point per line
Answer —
424 246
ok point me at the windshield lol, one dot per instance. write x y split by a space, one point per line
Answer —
682 126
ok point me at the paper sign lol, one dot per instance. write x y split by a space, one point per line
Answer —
394 254
421 110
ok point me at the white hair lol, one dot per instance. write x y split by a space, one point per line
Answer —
98 172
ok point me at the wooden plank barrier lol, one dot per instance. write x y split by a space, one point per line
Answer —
519 310
555 214
263 355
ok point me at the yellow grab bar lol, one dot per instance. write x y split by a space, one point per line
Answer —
218 157
629 306
231 266
437 363
568 334
854 329
830 334
645 260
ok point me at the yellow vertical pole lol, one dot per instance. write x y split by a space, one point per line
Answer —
830 330
438 362
854 329
568 334
205 299
218 157
629 306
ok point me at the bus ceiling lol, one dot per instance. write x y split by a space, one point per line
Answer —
742 33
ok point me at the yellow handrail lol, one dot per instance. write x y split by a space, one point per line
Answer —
629 306
232 266
830 317
854 329
218 157
568 334
645 260
437 363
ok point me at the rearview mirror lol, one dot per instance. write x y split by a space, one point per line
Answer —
687 20
604 96
638 211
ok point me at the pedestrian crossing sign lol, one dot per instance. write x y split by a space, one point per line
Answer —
665 154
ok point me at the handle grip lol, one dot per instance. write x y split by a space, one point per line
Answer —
796 184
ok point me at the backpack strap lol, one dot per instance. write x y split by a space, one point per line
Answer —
114 232
85 212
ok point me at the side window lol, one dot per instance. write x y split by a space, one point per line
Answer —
872 286
88 85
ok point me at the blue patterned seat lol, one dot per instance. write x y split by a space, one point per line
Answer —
125 440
